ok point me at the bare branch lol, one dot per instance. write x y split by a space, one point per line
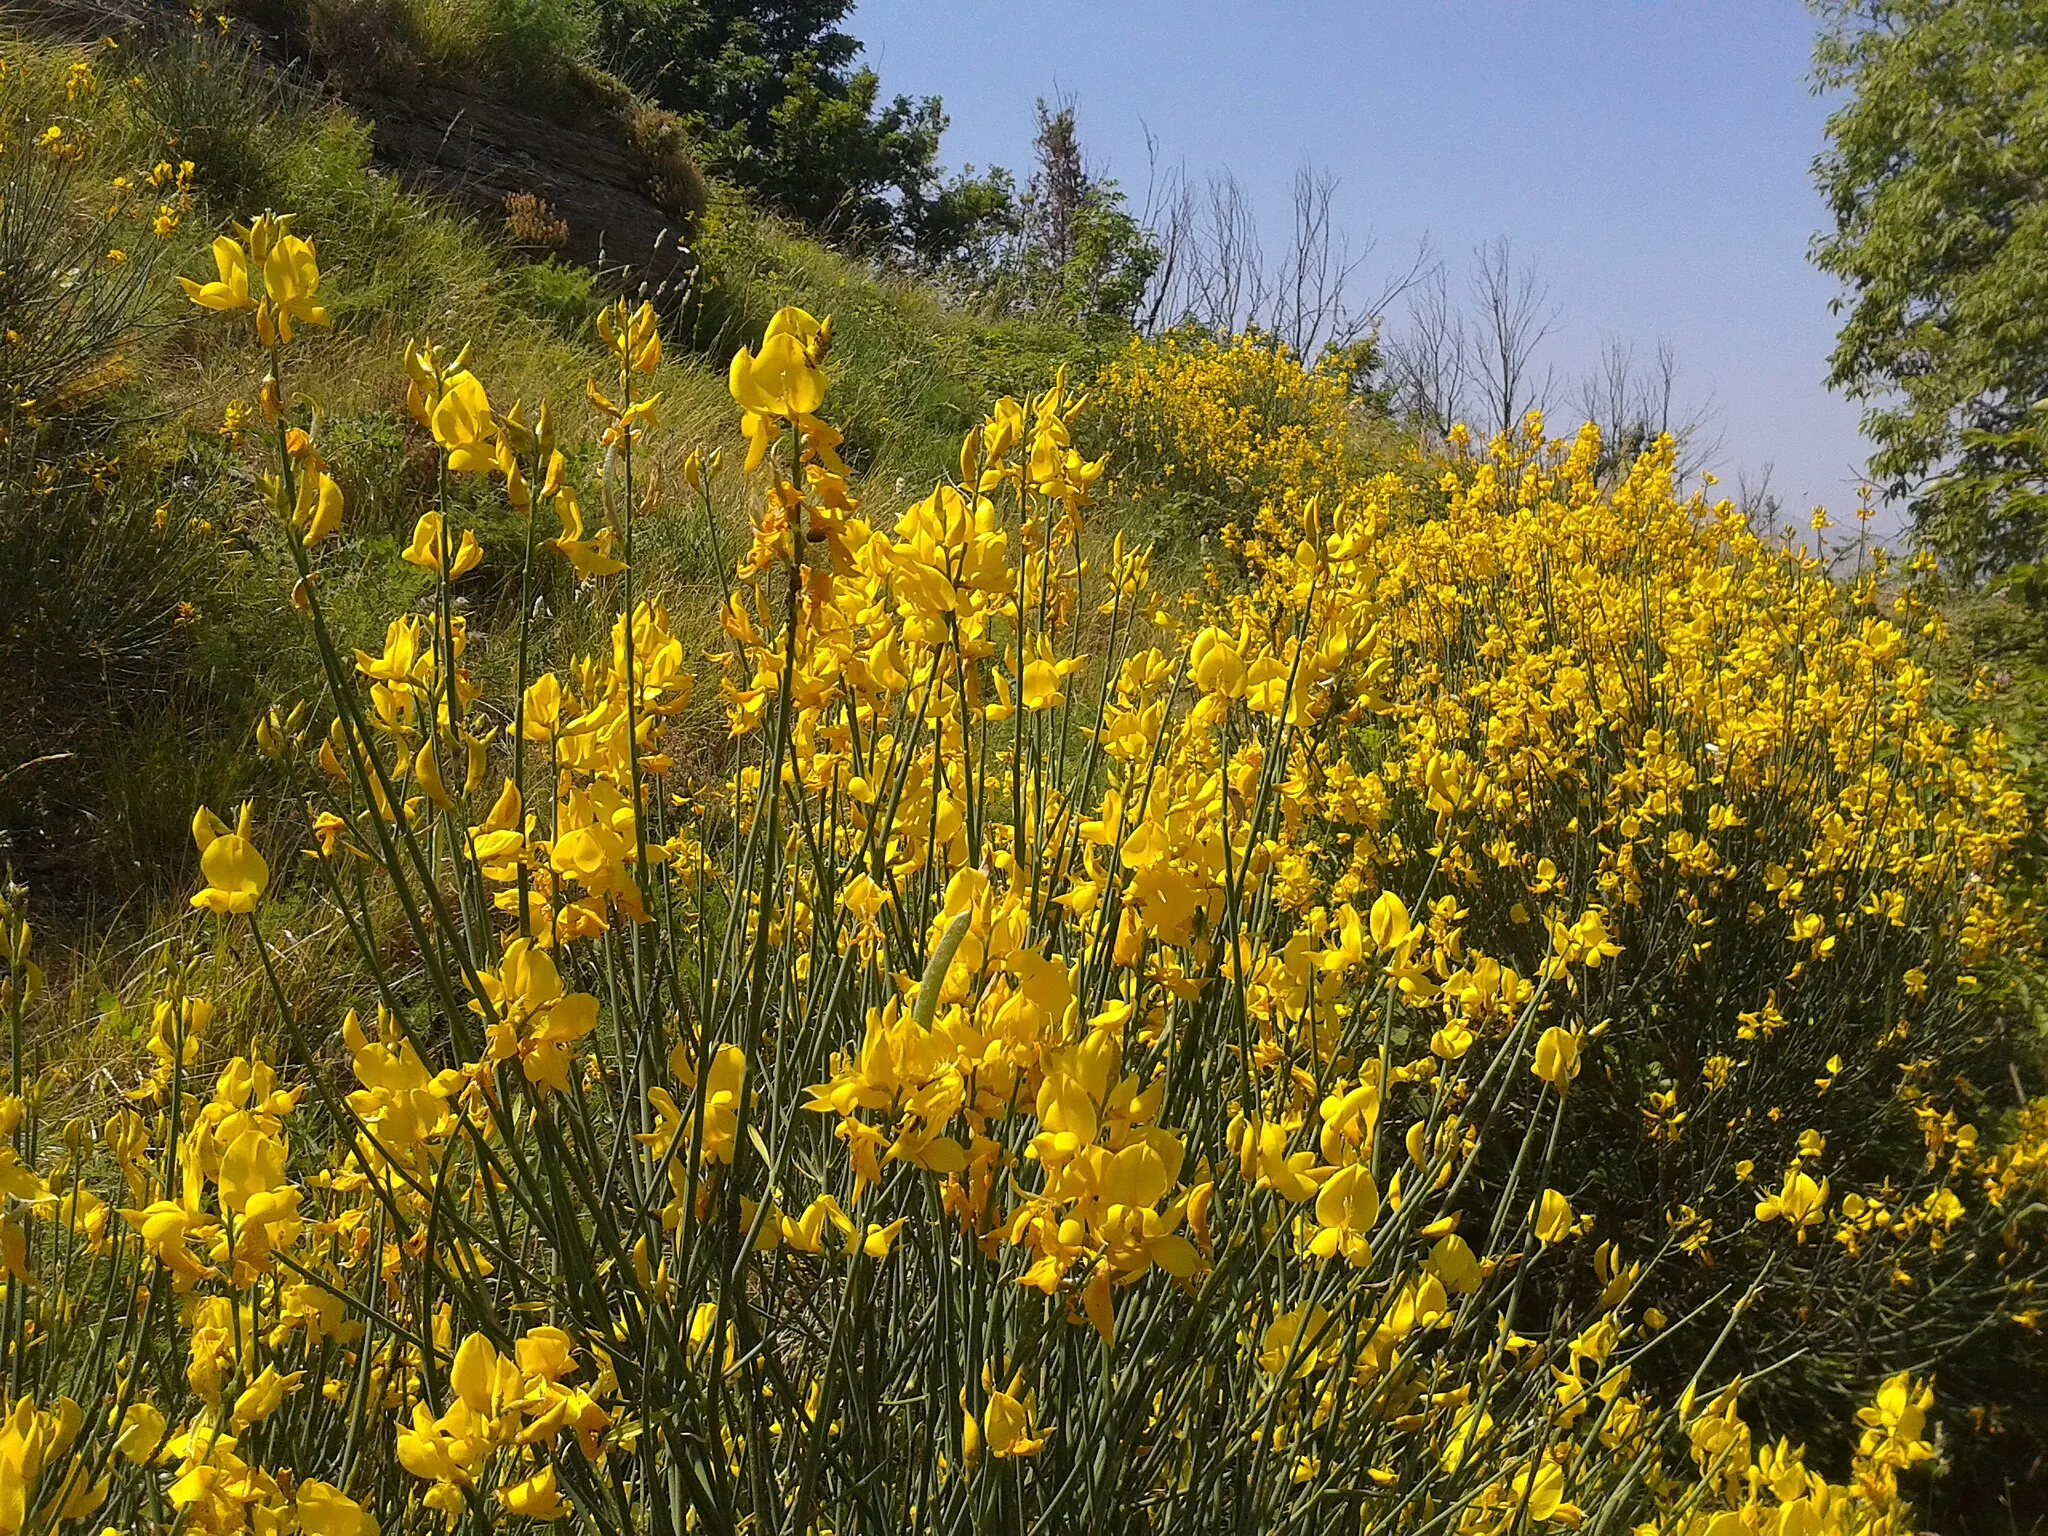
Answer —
1428 363
1513 318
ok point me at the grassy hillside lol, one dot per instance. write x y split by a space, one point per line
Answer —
149 709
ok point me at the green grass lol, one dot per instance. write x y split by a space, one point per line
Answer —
910 370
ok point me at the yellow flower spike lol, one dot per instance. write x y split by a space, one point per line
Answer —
263 232
631 335
643 341
235 872
230 291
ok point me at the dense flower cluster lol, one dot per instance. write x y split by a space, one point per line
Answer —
1203 426
1621 719
1050 1078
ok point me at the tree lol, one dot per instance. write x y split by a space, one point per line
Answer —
1633 405
1937 179
1074 250
1213 272
1512 318
1429 362
771 95
1479 366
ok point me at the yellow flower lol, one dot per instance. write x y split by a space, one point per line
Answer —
230 290
1346 1207
1452 1041
291 277
589 557
1802 1202
142 1434
1541 1492
1553 1217
1452 1261
461 423
535 1498
324 1510
1043 674
428 548
1215 665
319 508
536 1021
783 380
1388 923
235 871
1557 1056
262 1397
1007 1423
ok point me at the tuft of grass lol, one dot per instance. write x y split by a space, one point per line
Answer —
911 370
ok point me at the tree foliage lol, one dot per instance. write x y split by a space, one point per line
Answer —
1076 251
773 95
1935 179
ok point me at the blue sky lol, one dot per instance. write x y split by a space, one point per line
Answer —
1652 157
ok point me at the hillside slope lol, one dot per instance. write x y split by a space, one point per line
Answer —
147 687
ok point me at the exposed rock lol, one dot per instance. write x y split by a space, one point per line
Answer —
480 150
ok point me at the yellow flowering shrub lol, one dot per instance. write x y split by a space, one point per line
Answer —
1204 431
989 1098
1622 728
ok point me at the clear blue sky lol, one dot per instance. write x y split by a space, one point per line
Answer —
1652 156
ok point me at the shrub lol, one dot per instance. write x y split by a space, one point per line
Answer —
1205 430
1627 717
214 105
942 1112
107 591
77 263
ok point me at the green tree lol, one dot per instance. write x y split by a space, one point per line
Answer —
1937 178
1075 251
773 97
